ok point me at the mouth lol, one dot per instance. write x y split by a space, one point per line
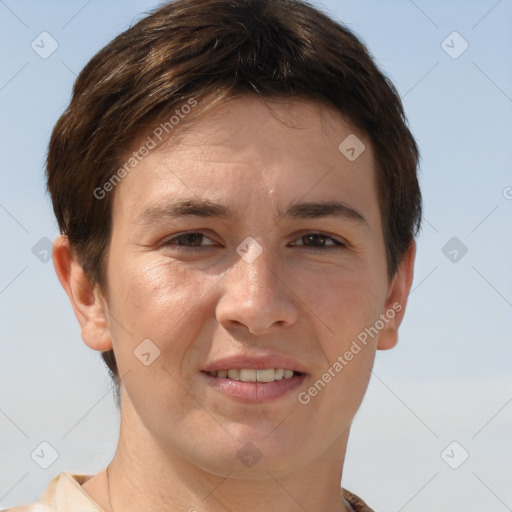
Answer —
255 386
255 375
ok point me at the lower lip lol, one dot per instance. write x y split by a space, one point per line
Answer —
255 392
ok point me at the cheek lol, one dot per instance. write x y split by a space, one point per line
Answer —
156 300
150 289
344 300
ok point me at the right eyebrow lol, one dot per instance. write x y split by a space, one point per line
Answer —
181 208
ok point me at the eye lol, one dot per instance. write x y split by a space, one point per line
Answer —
190 240
319 241
195 240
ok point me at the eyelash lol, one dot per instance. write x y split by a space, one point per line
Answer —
336 245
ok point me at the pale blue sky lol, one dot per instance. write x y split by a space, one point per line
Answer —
450 377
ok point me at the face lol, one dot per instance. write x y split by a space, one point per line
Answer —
252 243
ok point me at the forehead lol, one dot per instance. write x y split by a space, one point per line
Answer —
249 151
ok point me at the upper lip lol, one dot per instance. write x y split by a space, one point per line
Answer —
255 361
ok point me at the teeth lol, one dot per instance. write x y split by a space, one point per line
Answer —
252 375
278 374
247 375
233 374
266 375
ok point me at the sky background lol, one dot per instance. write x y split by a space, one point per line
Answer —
448 380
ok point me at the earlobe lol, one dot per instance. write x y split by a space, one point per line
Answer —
397 300
89 306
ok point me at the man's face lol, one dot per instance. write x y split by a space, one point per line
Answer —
290 292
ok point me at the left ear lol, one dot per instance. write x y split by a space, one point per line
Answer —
397 299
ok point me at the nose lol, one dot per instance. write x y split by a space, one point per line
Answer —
257 296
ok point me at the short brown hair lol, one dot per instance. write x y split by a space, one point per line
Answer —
211 49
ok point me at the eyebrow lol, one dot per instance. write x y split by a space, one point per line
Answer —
204 208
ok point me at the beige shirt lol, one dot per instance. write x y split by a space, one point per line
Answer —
65 494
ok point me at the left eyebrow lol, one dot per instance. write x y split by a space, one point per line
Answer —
318 209
205 208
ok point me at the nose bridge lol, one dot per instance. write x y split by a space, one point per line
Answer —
254 275
254 294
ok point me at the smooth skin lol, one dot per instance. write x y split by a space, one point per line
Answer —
316 285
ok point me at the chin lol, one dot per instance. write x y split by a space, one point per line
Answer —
252 459
261 469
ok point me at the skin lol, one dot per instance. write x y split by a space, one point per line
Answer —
179 437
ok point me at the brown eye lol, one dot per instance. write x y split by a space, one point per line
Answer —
319 241
188 240
314 240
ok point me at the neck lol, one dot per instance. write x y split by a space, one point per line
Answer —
143 476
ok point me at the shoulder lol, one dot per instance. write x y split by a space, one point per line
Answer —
356 502
29 507
63 494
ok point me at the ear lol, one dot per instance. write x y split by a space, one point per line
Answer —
88 304
397 299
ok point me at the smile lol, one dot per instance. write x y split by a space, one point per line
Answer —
254 386
253 375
